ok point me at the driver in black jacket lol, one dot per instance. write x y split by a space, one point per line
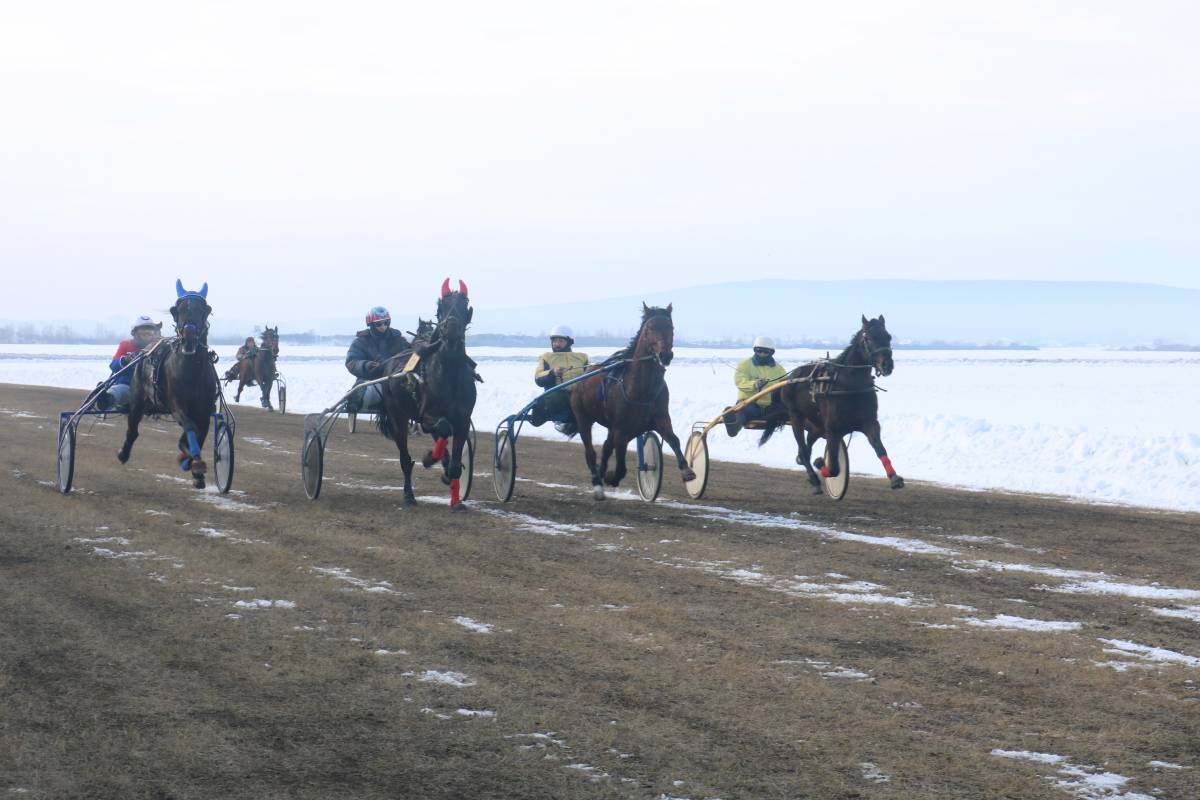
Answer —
368 356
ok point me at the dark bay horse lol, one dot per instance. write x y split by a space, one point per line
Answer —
837 398
178 378
630 400
260 369
444 396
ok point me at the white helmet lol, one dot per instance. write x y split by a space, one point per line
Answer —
765 342
144 322
563 331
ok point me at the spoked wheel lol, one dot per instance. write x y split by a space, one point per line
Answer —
282 399
312 458
66 457
504 466
468 475
223 456
352 421
836 486
649 474
696 454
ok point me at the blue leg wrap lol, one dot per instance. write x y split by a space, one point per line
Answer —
194 444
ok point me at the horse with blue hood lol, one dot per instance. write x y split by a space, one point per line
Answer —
176 377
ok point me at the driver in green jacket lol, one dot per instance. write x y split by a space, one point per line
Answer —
752 376
553 367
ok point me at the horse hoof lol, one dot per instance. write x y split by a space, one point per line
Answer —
598 492
818 462
410 500
198 481
122 456
689 475
459 507
427 460
897 482
817 489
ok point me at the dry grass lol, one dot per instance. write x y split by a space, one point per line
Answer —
631 649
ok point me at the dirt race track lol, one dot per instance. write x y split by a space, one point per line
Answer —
162 642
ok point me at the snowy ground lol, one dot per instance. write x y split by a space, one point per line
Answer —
1100 425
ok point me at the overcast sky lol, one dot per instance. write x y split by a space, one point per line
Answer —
312 159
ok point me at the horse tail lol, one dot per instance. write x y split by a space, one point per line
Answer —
384 422
769 430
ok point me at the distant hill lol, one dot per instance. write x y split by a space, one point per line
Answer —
818 313
927 312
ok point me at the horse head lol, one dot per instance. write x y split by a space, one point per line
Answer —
876 345
454 313
191 312
270 339
657 335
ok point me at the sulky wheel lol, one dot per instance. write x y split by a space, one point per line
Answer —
836 486
312 458
468 476
66 457
223 456
504 466
696 454
649 473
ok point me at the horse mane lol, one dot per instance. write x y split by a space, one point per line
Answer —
648 313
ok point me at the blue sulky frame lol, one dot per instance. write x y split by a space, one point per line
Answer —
504 461
68 424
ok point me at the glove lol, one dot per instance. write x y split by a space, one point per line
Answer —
371 367
759 384
125 359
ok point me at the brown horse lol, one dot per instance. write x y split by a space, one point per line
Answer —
837 397
630 400
259 369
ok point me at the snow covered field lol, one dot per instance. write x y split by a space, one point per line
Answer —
1105 426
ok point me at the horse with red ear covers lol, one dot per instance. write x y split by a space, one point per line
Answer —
444 398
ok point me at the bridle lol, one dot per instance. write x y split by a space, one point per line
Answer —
191 333
657 355
871 352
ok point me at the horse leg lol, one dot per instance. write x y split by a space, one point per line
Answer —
804 443
191 449
137 406
454 471
873 436
618 445
442 430
663 427
237 398
406 462
605 454
589 455
266 394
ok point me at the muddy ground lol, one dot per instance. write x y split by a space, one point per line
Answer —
162 642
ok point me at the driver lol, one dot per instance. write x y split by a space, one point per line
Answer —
368 356
145 332
752 376
554 367
247 350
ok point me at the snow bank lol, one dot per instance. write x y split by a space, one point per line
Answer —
1104 426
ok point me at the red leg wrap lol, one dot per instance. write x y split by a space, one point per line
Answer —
887 466
454 493
439 449
825 471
